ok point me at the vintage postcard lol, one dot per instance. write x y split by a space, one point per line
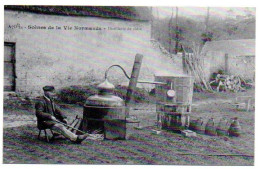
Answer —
129 85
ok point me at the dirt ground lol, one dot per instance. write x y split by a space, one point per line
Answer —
143 145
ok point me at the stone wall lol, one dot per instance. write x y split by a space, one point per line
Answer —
243 66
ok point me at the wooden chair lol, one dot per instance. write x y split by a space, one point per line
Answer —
46 134
42 128
75 123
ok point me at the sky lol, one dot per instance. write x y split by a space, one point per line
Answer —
193 11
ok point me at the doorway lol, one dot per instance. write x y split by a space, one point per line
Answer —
9 66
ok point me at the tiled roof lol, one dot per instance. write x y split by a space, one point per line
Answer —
116 12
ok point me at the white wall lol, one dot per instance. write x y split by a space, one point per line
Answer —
238 65
71 57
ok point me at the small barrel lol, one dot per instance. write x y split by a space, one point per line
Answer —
210 128
222 128
235 128
197 125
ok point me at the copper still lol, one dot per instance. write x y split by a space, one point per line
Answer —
106 112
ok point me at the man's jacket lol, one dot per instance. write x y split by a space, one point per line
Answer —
44 110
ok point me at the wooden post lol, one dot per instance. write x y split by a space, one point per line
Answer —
226 64
184 63
133 82
248 105
152 23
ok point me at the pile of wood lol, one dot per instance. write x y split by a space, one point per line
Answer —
228 83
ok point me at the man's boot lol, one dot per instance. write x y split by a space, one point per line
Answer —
80 138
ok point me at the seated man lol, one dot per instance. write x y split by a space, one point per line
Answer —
49 115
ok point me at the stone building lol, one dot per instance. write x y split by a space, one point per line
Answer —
235 57
66 45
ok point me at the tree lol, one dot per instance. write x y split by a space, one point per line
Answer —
177 33
170 32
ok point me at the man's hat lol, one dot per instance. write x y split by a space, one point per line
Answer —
48 88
